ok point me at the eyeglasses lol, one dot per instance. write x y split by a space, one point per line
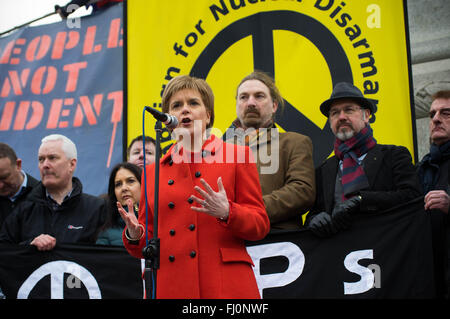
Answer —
348 110
444 113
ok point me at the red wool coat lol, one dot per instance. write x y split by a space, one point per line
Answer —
202 256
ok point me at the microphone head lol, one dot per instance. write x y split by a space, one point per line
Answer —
172 121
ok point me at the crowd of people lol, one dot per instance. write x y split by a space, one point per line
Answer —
210 205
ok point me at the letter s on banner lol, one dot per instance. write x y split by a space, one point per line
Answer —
287 249
367 277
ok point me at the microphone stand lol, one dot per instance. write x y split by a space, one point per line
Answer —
152 249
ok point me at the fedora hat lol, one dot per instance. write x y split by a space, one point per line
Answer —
345 90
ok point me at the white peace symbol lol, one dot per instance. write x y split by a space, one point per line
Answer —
56 270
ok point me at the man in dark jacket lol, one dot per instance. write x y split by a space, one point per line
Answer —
363 176
15 184
434 177
56 210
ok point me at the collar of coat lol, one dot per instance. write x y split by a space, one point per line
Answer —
38 193
251 137
210 147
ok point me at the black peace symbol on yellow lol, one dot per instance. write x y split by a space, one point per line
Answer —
261 26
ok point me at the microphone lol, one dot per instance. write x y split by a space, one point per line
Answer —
169 120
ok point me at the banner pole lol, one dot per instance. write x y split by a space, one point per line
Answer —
27 23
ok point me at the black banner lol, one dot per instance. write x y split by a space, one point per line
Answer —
383 255
69 271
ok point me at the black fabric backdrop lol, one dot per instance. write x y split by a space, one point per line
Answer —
395 244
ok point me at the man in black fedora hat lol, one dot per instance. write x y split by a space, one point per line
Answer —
362 176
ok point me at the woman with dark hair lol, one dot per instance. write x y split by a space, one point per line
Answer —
124 185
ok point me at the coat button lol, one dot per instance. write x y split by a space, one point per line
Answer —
172 232
170 182
191 227
193 254
170 162
190 200
198 174
171 205
171 258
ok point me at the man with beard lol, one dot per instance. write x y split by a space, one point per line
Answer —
434 177
362 176
56 210
284 160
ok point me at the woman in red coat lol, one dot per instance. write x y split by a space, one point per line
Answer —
210 202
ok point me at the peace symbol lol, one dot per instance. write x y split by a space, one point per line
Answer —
261 26
56 270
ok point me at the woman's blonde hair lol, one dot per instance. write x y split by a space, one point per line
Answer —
186 82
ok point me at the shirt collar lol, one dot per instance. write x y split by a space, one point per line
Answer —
360 159
47 194
21 188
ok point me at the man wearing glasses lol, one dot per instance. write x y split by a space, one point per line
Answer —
362 176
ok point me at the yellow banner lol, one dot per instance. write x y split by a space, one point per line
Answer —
308 45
